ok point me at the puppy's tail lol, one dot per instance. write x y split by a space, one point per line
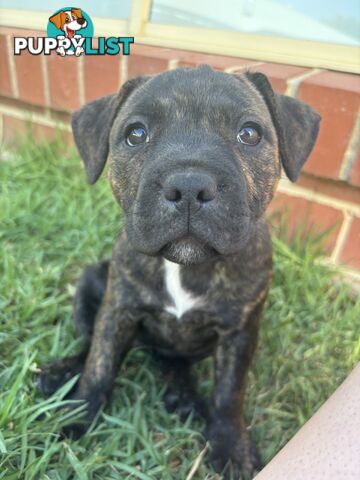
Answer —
88 298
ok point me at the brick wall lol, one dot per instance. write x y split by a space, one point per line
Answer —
327 195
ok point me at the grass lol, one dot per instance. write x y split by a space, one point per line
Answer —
51 225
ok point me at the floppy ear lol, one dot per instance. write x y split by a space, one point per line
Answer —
77 12
296 123
58 20
91 126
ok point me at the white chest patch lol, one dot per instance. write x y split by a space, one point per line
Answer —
183 301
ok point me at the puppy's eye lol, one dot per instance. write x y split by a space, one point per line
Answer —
136 135
67 20
250 134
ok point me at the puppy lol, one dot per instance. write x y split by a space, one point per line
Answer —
69 21
194 159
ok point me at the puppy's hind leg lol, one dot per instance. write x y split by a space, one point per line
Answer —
180 393
88 298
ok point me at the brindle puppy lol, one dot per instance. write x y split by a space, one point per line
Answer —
195 157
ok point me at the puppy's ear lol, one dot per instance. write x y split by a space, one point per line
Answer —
91 126
58 20
77 12
296 123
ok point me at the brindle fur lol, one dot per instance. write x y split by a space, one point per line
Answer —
121 303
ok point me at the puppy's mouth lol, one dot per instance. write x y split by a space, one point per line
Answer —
70 32
187 250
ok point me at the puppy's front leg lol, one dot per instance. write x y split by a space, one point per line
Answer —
230 441
115 328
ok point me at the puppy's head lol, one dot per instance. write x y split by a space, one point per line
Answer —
69 21
195 156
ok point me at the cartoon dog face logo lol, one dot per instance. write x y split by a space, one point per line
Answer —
70 22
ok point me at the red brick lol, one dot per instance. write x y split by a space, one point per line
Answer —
140 65
138 49
305 216
5 82
330 188
14 129
336 97
63 75
220 61
184 64
355 173
44 133
101 75
30 78
279 74
350 253
192 59
337 80
21 32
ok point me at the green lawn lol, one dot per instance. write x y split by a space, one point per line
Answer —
51 225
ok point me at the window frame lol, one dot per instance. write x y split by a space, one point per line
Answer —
244 45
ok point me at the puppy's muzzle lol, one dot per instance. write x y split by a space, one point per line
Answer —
189 190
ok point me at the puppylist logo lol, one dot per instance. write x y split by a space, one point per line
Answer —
70 32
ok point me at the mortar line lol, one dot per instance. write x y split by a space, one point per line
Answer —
81 79
351 151
297 191
173 64
123 70
12 68
345 271
241 68
344 230
293 84
45 76
34 117
1 130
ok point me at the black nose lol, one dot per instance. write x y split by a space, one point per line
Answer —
193 187
81 21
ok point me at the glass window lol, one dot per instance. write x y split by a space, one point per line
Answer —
317 20
105 8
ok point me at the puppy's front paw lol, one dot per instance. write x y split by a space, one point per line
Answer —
54 375
90 405
233 452
79 51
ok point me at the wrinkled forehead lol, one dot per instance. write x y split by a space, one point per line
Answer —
196 96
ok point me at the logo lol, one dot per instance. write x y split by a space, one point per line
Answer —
70 26
70 32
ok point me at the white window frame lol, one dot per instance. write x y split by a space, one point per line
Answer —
256 47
